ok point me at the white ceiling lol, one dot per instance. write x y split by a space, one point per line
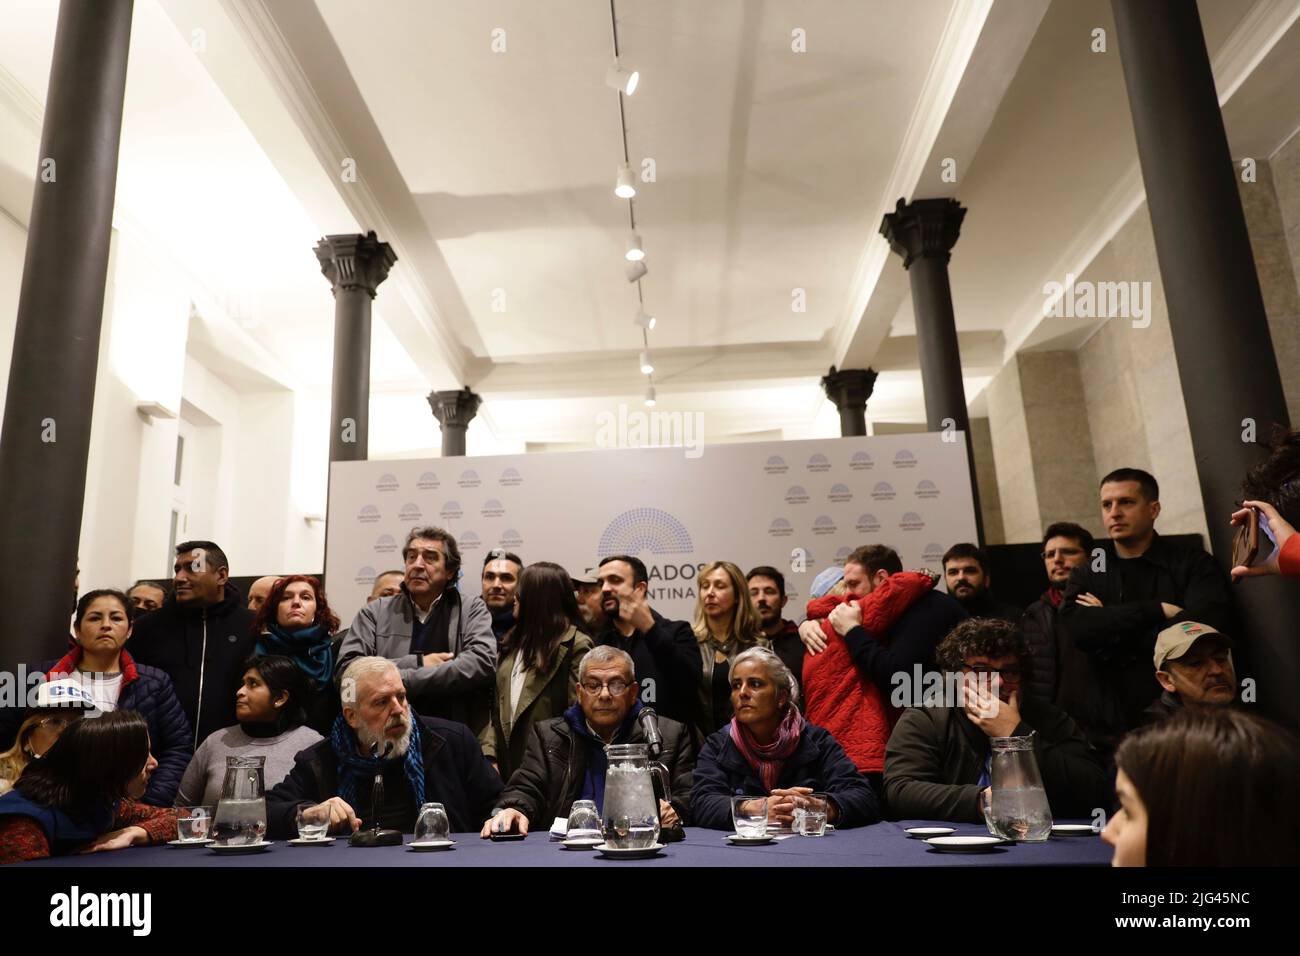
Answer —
494 171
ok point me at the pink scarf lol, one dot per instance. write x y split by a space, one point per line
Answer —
769 759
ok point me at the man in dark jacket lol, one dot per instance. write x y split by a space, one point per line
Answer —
938 764
1194 667
1116 602
418 758
966 574
565 759
1065 547
200 637
665 653
767 588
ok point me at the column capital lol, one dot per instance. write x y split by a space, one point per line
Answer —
355 261
849 387
923 228
455 408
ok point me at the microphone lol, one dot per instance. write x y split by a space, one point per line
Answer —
654 741
373 835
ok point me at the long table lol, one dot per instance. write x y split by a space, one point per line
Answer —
882 844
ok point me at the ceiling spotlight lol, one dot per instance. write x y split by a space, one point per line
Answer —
644 320
646 367
635 270
625 81
650 397
635 253
624 189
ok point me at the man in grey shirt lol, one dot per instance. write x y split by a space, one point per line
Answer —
440 640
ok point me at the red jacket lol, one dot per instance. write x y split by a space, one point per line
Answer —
837 695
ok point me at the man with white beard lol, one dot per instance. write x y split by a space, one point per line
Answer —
421 759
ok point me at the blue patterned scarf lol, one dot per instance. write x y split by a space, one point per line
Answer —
309 647
354 768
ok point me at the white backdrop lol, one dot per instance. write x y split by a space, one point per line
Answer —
750 503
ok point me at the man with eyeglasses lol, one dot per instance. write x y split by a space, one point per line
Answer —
938 762
565 759
1056 660
440 640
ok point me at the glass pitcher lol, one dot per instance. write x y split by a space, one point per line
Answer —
1019 808
630 815
241 812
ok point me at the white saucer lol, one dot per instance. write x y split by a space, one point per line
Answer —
203 842
634 853
965 844
318 841
1073 830
735 839
583 843
924 833
425 846
240 847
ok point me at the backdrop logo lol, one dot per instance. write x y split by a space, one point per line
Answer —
840 493
364 576
410 512
775 465
933 553
780 528
510 538
493 508
386 544
927 489
451 511
469 541
510 478
650 530
469 479
904 459
386 482
861 461
842 555
796 495
867 524
823 525
368 514
911 522
883 491
427 481
819 463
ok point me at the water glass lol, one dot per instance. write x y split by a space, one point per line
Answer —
432 825
749 816
313 822
810 815
584 821
193 823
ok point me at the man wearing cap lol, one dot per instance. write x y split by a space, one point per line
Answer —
586 587
1194 668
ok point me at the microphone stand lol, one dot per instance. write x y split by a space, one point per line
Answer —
373 835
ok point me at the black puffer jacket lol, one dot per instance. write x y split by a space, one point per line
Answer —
550 777
202 650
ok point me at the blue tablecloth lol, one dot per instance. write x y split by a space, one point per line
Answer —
882 844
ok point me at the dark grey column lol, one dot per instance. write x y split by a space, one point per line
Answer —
1222 345
355 265
454 411
923 232
849 389
50 399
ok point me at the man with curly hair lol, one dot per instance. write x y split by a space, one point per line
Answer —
937 763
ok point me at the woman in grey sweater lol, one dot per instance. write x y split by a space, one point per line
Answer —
269 708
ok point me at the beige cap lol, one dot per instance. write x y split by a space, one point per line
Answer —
1177 639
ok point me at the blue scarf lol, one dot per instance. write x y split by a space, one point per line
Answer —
64 831
308 646
593 781
354 769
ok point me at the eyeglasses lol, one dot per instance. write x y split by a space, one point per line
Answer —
56 721
1008 673
615 687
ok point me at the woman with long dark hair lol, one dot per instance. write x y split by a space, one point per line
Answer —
537 677
269 708
296 622
83 796
1213 786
